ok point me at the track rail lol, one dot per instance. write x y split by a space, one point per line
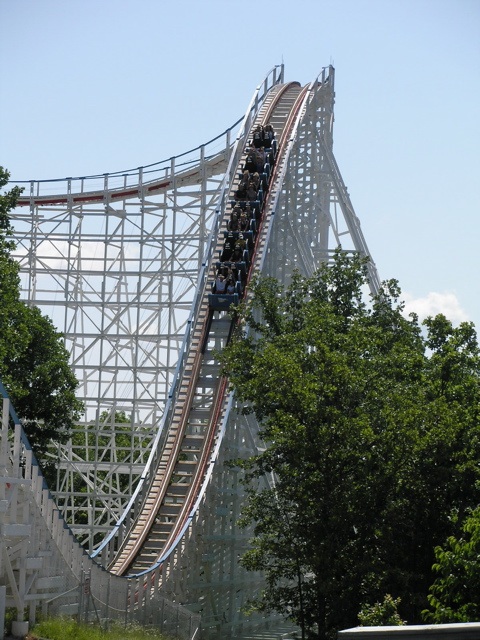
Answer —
201 400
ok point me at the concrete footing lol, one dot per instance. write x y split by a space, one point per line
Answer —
19 629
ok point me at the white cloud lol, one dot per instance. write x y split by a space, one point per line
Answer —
433 303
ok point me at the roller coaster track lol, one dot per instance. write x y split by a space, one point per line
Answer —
202 396
212 166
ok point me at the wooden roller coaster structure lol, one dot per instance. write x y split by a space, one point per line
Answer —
177 540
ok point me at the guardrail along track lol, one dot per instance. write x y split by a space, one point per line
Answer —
201 398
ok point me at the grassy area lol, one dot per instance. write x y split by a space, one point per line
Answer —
67 629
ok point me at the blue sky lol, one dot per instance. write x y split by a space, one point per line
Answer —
94 86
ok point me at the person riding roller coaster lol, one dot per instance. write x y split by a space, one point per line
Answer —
246 213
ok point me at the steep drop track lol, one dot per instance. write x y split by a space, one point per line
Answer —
201 399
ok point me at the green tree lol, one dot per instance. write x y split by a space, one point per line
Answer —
33 360
370 437
455 594
113 445
381 614
12 333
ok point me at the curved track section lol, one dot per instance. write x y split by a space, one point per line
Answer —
201 397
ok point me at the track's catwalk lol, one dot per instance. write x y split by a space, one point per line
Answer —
175 530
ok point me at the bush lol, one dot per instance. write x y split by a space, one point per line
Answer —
381 614
68 629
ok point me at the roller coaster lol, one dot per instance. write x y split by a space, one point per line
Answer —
125 264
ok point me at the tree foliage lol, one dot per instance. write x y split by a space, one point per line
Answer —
114 444
381 614
372 437
33 360
455 594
